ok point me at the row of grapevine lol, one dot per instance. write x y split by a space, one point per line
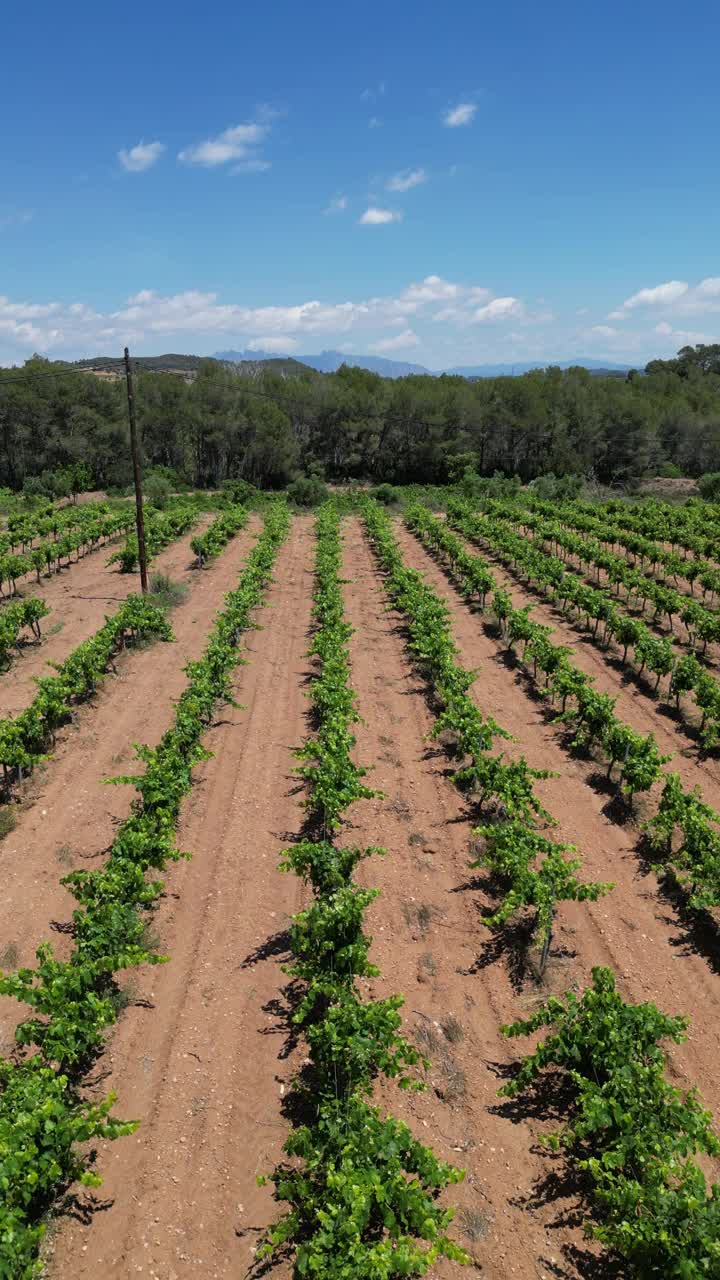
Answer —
694 862
702 624
533 870
361 1188
629 1133
13 619
43 1115
161 528
23 529
209 544
656 654
695 528
26 739
642 549
592 714
86 536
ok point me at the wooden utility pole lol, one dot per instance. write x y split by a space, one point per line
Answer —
137 475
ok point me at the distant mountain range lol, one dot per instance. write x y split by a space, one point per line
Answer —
254 362
509 370
330 361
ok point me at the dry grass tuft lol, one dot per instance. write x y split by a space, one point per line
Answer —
9 956
426 967
452 1029
418 915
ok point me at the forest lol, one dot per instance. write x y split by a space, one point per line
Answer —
355 425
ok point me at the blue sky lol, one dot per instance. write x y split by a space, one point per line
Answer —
447 184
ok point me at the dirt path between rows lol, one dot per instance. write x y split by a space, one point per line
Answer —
633 930
203 1066
69 816
79 599
426 941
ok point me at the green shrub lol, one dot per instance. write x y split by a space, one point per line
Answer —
387 494
157 490
239 492
709 486
552 488
308 491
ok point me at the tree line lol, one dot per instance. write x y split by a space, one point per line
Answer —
355 425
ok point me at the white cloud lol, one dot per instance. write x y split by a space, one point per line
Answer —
236 143
374 217
337 205
432 289
447 314
406 179
674 298
498 309
374 123
141 157
604 331
658 295
401 342
192 320
682 337
281 344
253 165
463 113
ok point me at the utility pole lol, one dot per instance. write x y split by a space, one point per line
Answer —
139 517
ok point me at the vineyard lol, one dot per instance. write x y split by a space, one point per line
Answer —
362 891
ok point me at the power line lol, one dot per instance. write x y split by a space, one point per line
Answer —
246 390
34 377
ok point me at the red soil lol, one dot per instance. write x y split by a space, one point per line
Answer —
80 597
634 930
204 1064
67 816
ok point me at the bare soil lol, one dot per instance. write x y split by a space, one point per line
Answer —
668 489
67 817
635 930
80 598
427 943
204 1064
203 1055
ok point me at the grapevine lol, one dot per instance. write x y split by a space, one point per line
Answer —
361 1189
26 739
630 1133
26 548
43 1115
591 714
13 619
161 528
209 544
650 652
502 789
